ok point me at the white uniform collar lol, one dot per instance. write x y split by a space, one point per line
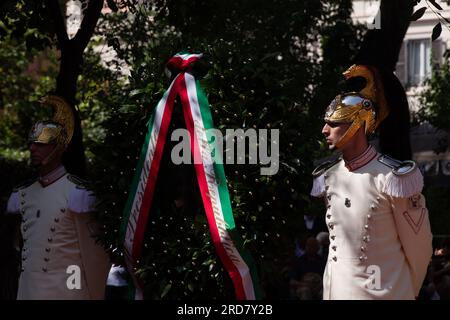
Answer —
52 176
361 160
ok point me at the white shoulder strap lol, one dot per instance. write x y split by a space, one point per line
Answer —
13 204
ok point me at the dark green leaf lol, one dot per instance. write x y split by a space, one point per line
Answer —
136 92
166 290
418 14
436 31
437 6
112 5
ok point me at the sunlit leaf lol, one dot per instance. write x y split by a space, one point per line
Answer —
166 290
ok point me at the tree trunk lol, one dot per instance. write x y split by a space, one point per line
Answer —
70 68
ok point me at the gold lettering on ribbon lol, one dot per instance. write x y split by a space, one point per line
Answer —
224 236
139 196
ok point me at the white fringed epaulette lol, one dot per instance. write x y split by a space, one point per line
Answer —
81 201
404 180
318 188
13 203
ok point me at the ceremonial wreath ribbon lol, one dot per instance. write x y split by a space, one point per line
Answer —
210 177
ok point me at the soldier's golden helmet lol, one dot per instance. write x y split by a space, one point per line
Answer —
366 108
354 109
47 132
58 131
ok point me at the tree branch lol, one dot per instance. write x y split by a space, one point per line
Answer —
88 24
60 27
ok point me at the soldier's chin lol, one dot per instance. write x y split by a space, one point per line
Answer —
35 163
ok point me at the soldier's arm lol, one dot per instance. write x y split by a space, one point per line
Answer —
95 261
13 204
13 209
413 227
412 222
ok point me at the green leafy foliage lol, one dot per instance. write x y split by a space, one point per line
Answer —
27 75
23 20
272 65
435 100
265 71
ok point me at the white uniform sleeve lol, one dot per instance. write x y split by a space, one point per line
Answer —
13 204
81 201
116 276
95 260
413 227
318 188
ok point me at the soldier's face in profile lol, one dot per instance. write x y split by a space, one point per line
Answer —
39 152
333 133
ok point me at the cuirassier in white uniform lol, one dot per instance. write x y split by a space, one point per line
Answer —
380 237
61 258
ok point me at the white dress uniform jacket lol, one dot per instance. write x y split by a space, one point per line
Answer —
60 256
380 237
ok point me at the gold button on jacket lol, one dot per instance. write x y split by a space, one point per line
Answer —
57 238
380 245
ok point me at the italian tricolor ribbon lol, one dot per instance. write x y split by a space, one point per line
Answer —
210 176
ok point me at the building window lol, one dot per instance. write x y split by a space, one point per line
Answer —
419 61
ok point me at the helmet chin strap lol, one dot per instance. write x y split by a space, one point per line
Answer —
354 127
362 119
